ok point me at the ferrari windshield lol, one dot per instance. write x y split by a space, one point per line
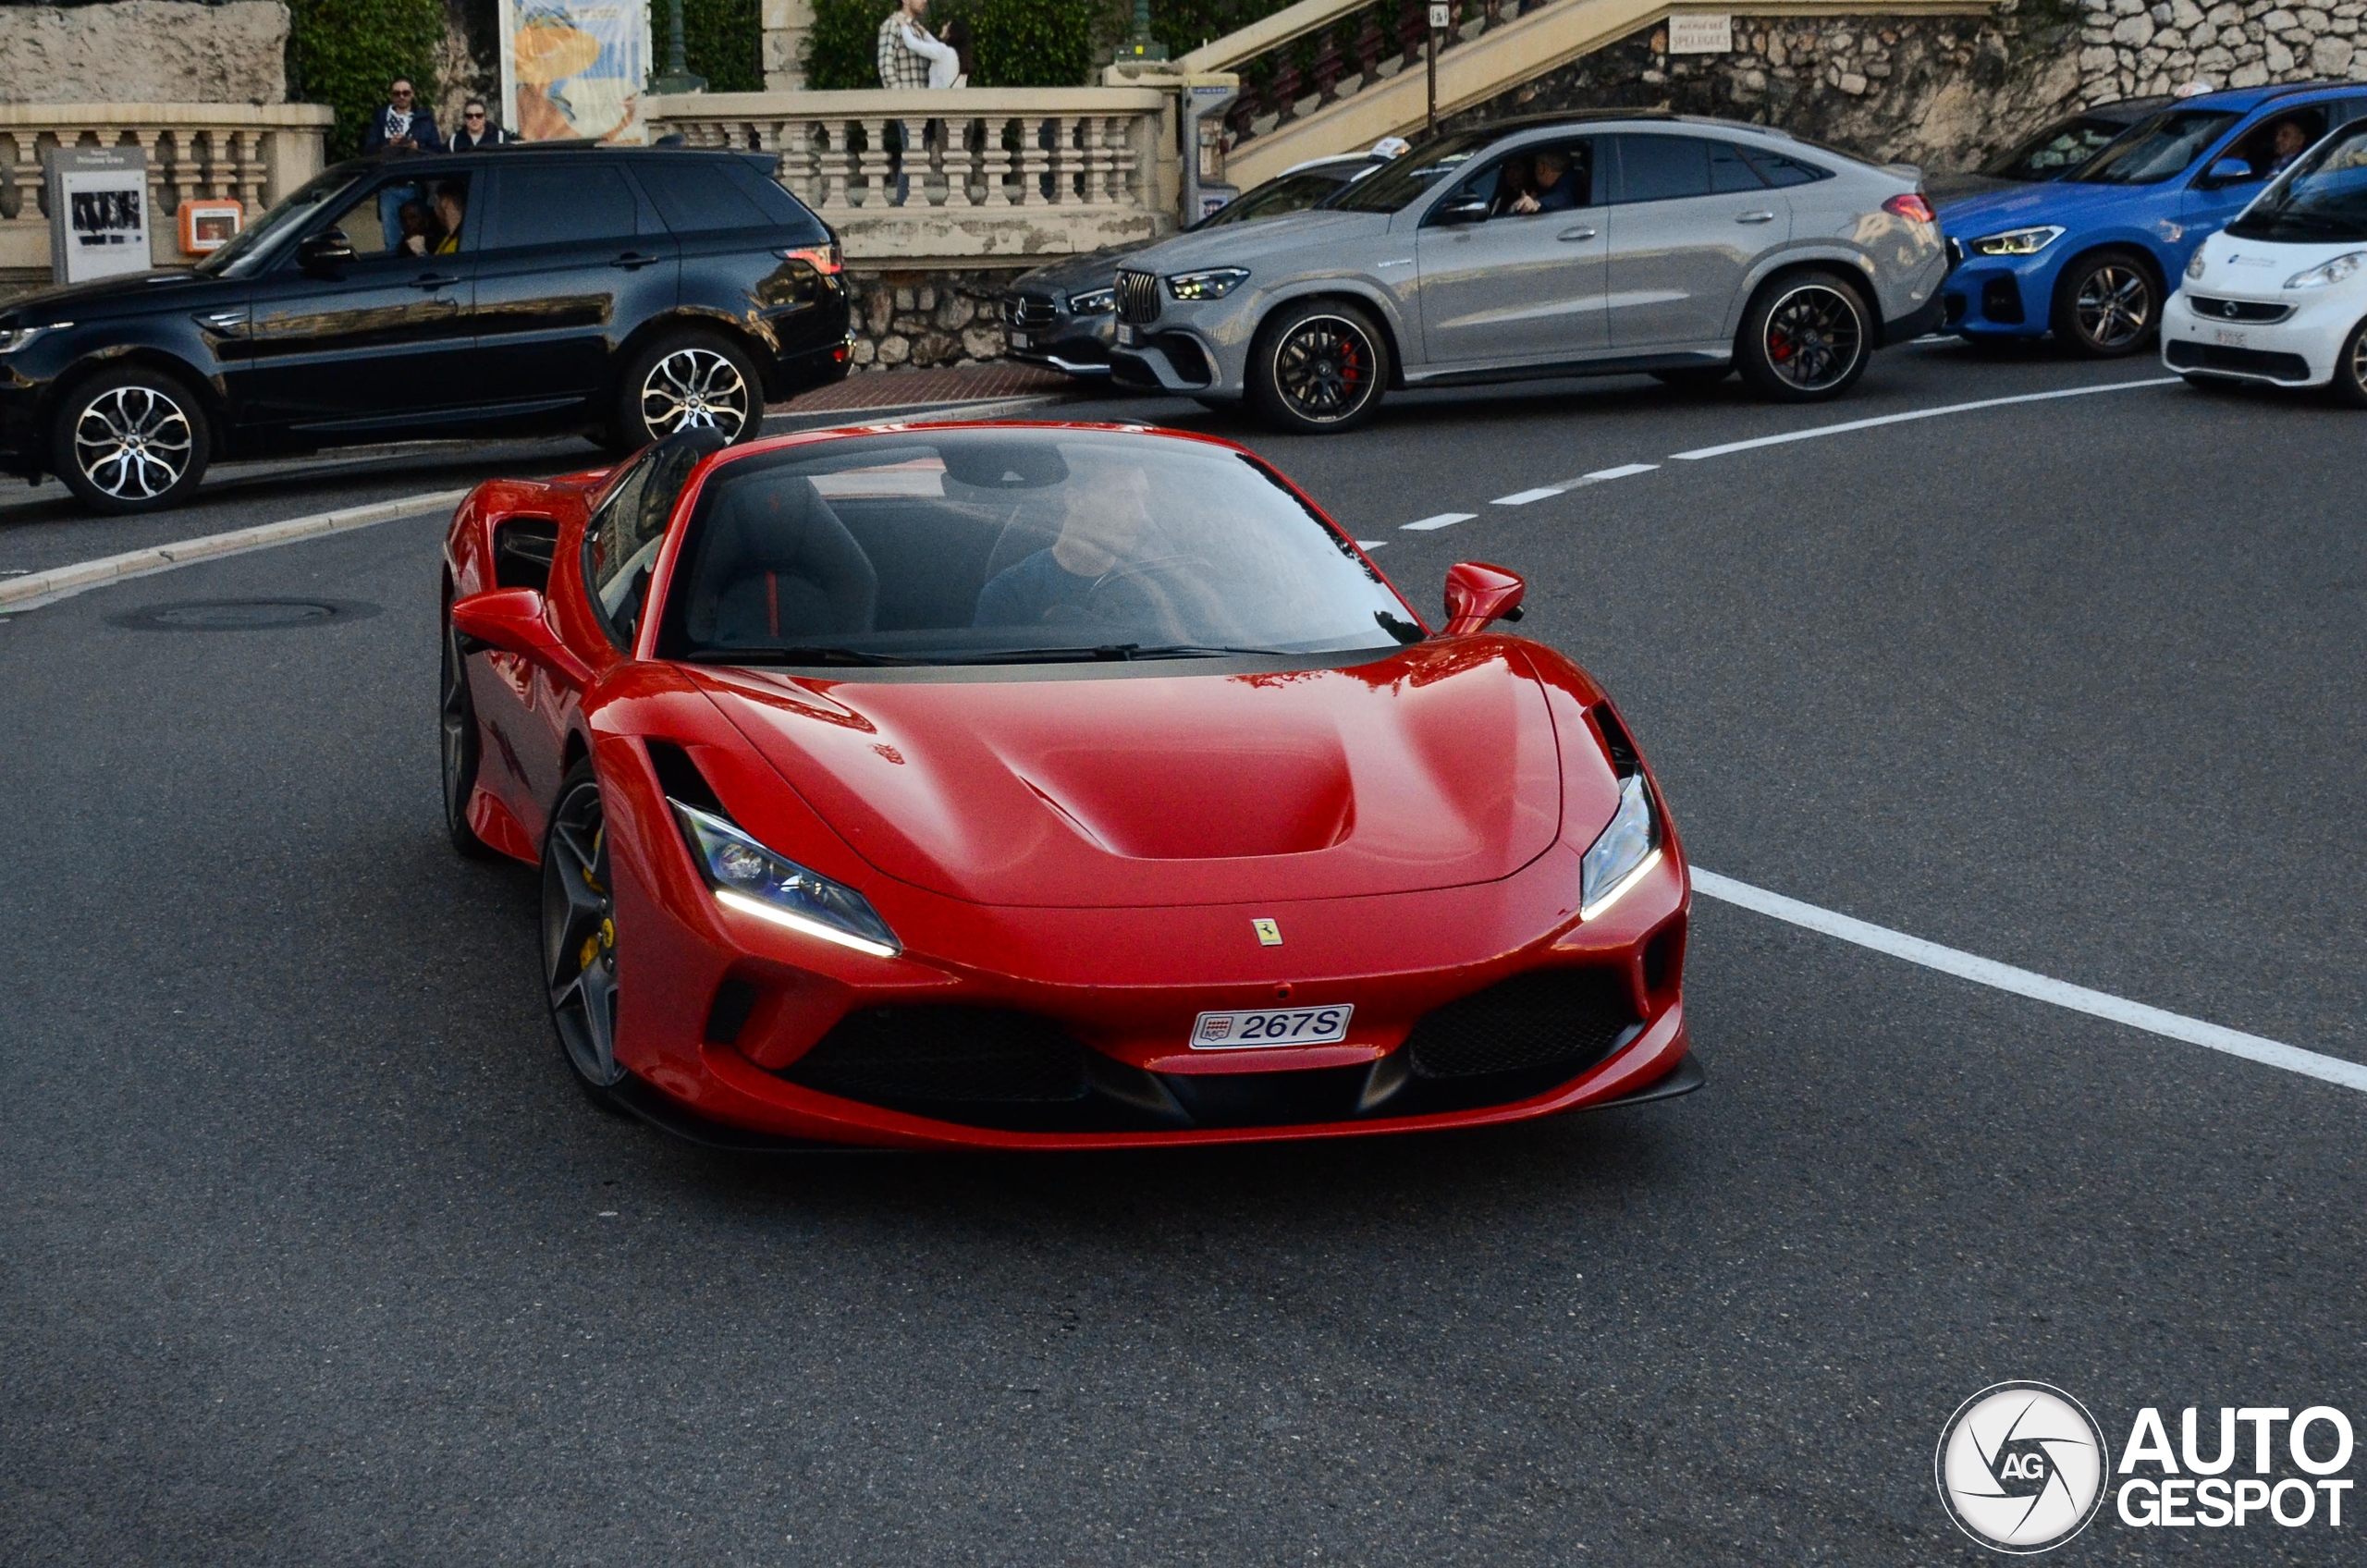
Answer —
986 546
2323 199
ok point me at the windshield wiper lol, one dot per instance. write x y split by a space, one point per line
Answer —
795 655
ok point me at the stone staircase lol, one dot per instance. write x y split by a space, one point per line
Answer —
1325 77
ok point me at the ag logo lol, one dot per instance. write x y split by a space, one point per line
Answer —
2021 1467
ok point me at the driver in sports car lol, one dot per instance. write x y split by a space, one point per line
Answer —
1102 525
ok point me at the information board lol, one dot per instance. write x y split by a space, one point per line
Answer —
98 212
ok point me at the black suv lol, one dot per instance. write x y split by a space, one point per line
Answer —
625 293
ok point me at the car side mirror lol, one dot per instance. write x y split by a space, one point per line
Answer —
1477 594
2229 171
1462 211
325 250
511 621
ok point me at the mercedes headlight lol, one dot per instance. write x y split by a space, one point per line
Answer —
1213 283
2017 241
1093 303
750 878
2327 272
1621 853
2194 268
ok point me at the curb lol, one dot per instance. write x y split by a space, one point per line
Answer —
40 588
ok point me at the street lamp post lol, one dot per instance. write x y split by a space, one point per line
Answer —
677 77
1142 45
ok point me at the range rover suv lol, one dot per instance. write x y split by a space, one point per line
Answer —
625 293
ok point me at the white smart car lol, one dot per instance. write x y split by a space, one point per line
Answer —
2280 294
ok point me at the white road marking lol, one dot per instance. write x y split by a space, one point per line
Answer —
36 589
1843 429
1444 519
1623 471
1370 543
1522 497
2026 983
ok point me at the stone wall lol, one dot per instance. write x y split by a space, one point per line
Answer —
2134 47
144 52
939 317
1941 91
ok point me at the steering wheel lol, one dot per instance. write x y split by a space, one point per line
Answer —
1159 578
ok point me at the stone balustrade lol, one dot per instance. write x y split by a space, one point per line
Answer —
971 178
253 153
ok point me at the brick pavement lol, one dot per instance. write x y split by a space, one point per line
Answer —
909 388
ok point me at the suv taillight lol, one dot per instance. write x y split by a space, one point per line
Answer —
823 258
1912 207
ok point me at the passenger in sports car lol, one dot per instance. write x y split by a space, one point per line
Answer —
1106 512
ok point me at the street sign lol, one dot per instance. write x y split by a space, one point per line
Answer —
1700 35
1441 16
98 212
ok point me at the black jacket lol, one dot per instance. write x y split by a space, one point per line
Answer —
423 131
494 137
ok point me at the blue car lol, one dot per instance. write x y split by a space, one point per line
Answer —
2092 257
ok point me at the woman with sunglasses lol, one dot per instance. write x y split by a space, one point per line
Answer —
477 129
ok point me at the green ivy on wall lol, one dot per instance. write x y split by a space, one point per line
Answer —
343 53
722 41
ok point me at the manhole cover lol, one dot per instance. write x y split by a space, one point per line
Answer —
242 615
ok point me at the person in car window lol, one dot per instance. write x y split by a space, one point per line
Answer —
2290 143
1555 191
419 235
1108 510
451 209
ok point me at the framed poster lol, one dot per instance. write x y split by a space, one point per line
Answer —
574 68
98 212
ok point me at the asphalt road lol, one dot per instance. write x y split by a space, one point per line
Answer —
310 1252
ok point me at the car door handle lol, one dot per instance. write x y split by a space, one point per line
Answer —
1754 217
433 280
632 260
1583 231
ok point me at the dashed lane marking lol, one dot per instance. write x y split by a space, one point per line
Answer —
2038 987
1844 428
1370 543
1622 471
1522 497
1443 519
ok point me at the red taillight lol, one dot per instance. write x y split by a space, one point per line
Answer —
1912 207
823 258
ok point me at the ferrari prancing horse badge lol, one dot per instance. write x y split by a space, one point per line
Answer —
1269 934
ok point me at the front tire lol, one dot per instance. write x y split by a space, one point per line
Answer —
130 440
1318 369
686 381
1806 337
578 928
2106 305
2349 382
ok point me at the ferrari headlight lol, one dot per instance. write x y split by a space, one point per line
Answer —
2327 272
2194 267
1214 284
1621 853
750 878
2017 241
1093 303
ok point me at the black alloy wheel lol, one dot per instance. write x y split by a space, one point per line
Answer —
2349 383
1319 368
580 936
690 381
130 440
2106 305
458 743
1807 338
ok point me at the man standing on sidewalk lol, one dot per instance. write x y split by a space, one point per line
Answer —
903 68
399 127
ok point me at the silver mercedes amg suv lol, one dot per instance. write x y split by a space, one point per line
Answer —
1581 244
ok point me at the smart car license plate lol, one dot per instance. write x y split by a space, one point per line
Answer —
1283 1026
2226 339
1018 340
1126 336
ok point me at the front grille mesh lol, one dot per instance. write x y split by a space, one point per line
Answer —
2184 355
2237 309
1138 297
916 1055
1563 1019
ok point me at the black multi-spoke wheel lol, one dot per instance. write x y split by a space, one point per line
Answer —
129 440
1318 367
458 741
2106 304
1805 337
579 935
690 381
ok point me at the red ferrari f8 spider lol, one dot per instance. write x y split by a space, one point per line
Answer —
1043 785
